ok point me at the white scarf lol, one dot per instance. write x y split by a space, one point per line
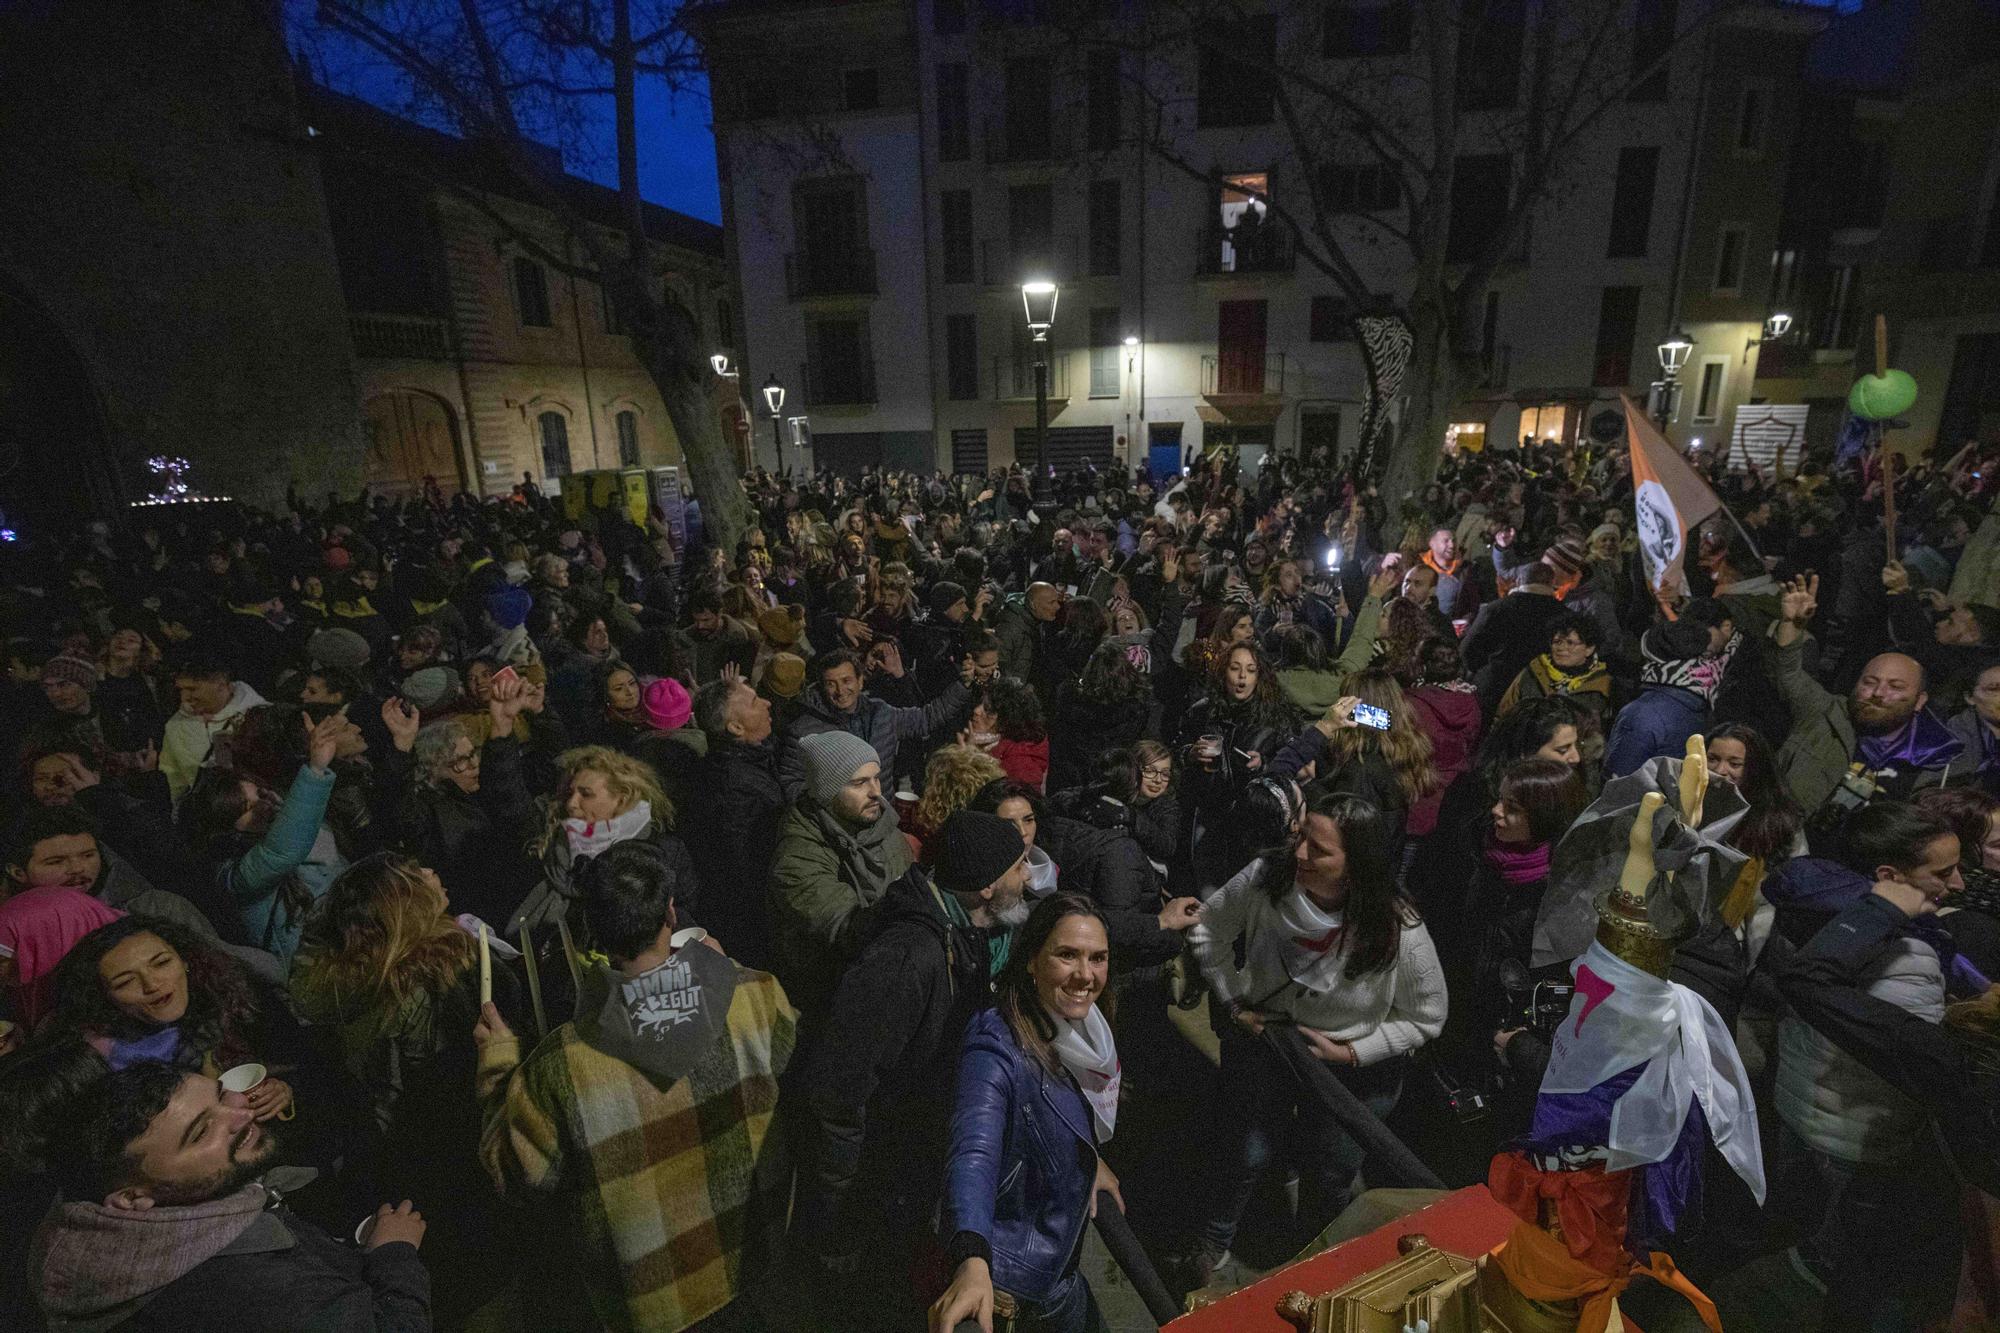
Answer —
1041 873
1091 1056
1621 1017
1312 936
588 838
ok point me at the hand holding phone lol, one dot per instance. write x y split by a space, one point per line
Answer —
1368 715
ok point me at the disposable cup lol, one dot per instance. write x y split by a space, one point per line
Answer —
364 1230
242 1078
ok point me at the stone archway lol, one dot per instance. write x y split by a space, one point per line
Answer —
411 435
57 465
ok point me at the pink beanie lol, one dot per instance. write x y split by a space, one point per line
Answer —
668 706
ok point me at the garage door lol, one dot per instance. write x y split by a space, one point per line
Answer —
1070 447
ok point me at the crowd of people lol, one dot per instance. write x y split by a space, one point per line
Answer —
465 914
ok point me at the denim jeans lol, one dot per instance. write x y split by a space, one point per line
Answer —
1070 1308
1262 1106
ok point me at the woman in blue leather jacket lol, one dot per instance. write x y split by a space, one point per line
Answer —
1037 1095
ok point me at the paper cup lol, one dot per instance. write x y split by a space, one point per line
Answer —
242 1078
691 935
364 1230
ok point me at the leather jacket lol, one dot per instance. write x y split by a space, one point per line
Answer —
1023 1163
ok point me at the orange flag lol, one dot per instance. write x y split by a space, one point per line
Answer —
1670 498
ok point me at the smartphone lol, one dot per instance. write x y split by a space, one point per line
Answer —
1368 715
505 673
1333 557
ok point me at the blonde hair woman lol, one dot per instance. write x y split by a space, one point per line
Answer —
1390 769
387 967
951 779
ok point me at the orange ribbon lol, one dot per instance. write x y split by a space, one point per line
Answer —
1536 1265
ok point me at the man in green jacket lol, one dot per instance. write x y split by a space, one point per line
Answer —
1882 723
839 849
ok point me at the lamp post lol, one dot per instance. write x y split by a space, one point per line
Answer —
774 400
1038 304
1674 353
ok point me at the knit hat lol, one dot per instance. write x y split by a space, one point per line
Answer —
786 675
973 850
1567 558
943 597
338 558
339 648
431 688
832 759
71 670
509 607
1608 532
667 704
780 630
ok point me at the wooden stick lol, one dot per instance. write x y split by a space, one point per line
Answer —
1881 344
485 967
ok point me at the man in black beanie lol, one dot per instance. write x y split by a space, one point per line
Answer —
877 1090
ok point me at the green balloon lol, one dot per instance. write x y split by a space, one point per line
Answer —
1880 397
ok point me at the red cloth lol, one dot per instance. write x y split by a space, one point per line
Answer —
1590 1205
40 927
1025 761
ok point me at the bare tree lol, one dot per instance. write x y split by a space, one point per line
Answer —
502 72
1533 82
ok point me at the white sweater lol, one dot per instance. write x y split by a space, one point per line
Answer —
1383 1014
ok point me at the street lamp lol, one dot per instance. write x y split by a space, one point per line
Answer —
1038 304
1777 326
774 399
1674 353
720 364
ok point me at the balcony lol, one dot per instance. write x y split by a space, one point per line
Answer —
1266 248
399 337
842 273
1004 263
1239 375
1014 140
1014 378
850 385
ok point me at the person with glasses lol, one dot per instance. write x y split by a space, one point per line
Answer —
468 803
1571 668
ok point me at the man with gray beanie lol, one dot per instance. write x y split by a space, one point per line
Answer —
839 849
877 1088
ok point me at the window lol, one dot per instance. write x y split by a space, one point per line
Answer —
628 438
948 17
531 293
1107 341
1753 109
1632 203
1370 188
1729 258
954 120
1653 27
1329 321
1489 53
832 232
840 367
1480 188
1358 28
961 357
614 320
1617 326
1104 97
1235 74
1105 228
1028 93
1708 397
861 89
555 444
1239 344
957 235
725 324
1030 229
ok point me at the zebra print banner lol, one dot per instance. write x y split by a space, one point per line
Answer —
1386 346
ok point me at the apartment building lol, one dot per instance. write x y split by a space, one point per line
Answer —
893 170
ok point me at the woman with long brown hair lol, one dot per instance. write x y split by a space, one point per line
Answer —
1389 768
1227 738
1021 1185
387 967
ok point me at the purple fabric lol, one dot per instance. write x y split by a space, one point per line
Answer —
1663 1193
156 1048
1923 742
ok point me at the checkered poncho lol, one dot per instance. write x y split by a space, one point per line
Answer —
664 1192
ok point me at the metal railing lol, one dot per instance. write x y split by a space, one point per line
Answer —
844 386
1005 263
1262 248
1225 374
1014 378
842 273
399 337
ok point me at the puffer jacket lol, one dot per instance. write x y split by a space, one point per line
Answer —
1023 1163
882 725
1097 856
1827 1097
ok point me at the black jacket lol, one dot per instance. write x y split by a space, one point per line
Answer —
877 1091
733 838
1082 731
1103 861
1504 637
476 843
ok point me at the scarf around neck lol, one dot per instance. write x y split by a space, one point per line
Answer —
1312 935
1090 1054
1569 682
589 838
1923 742
1699 676
863 859
1518 867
